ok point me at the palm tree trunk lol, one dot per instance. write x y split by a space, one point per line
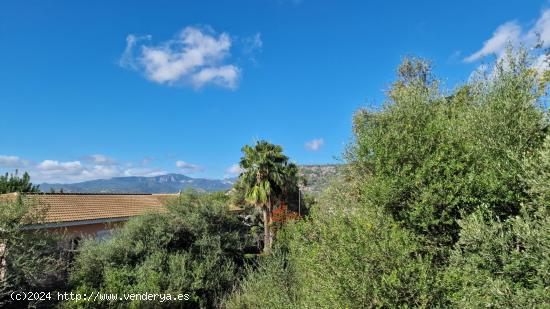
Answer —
267 231
271 232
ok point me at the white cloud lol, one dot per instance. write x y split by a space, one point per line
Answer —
74 171
315 144
98 171
100 159
541 64
146 172
483 70
53 165
188 168
234 169
127 60
225 76
541 30
89 168
53 170
12 161
196 57
512 33
506 33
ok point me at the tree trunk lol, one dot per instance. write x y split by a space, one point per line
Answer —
270 220
267 231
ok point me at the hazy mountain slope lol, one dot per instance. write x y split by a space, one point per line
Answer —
318 177
170 183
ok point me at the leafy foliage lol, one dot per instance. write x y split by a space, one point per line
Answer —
268 178
537 177
444 203
30 259
195 248
427 158
341 256
500 264
13 183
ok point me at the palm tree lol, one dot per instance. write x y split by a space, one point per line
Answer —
264 177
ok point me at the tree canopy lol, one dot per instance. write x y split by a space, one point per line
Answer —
267 179
13 183
443 203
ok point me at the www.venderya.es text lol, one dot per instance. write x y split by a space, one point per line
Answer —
97 296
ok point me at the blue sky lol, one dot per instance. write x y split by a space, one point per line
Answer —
96 89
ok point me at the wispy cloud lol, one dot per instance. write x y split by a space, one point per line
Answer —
315 144
12 161
195 57
507 33
234 169
144 171
188 168
513 33
541 29
99 159
253 43
128 58
88 168
54 165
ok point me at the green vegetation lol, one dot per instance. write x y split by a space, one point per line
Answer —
194 248
30 260
343 256
319 177
13 183
268 179
444 203
506 263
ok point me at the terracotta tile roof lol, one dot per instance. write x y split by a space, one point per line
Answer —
60 208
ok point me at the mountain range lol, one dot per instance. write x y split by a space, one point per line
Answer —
170 183
318 177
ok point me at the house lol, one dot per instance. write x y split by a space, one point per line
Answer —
79 215
89 214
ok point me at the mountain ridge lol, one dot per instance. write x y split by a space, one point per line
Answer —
318 177
169 183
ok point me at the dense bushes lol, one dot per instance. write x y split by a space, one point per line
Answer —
30 260
432 157
537 177
500 264
445 204
348 256
195 248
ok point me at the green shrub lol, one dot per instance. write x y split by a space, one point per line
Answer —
341 256
427 158
270 284
392 233
537 177
499 264
195 248
30 259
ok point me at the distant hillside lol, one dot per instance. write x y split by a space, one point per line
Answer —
170 183
319 176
